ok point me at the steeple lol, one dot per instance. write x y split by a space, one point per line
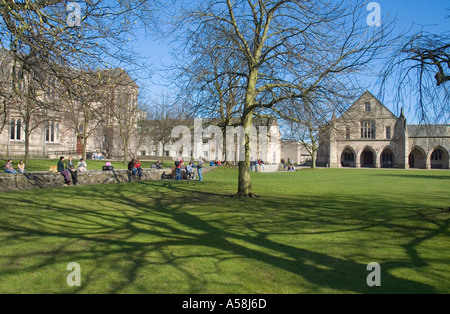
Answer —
403 118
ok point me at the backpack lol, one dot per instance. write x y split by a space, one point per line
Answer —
200 164
177 163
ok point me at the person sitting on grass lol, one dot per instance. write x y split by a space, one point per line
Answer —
9 168
82 166
158 165
63 171
72 170
21 167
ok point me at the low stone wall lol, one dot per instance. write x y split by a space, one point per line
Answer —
36 180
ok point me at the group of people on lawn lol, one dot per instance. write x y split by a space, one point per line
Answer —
255 164
69 171
189 170
10 169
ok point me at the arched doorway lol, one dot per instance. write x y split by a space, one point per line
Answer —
387 158
417 159
367 158
439 159
348 158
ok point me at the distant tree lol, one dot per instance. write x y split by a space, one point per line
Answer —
124 110
86 99
163 117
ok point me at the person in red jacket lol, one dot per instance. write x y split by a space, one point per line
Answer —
178 164
137 165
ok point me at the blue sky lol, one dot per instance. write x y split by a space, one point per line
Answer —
419 15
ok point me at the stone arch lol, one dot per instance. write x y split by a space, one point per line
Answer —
417 158
439 158
387 158
368 157
348 157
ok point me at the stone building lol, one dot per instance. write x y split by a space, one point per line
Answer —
209 146
369 135
56 129
295 152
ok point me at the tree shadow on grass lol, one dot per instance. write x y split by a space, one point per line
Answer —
121 229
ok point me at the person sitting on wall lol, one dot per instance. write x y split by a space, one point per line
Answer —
158 165
137 165
132 167
63 171
21 167
70 165
82 166
189 171
9 168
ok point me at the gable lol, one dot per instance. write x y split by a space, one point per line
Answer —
367 107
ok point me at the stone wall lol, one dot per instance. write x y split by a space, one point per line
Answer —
36 180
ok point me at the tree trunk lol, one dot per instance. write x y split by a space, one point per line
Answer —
244 183
125 152
27 146
313 159
84 148
27 141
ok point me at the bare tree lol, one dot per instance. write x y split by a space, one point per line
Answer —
52 37
158 129
209 84
289 49
306 122
123 108
86 97
420 68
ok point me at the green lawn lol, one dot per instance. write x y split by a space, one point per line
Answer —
312 231
45 164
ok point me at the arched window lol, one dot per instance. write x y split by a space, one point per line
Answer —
51 132
436 155
18 126
13 129
16 130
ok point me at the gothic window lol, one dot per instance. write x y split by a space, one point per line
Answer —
436 155
367 106
51 132
16 130
368 129
388 132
